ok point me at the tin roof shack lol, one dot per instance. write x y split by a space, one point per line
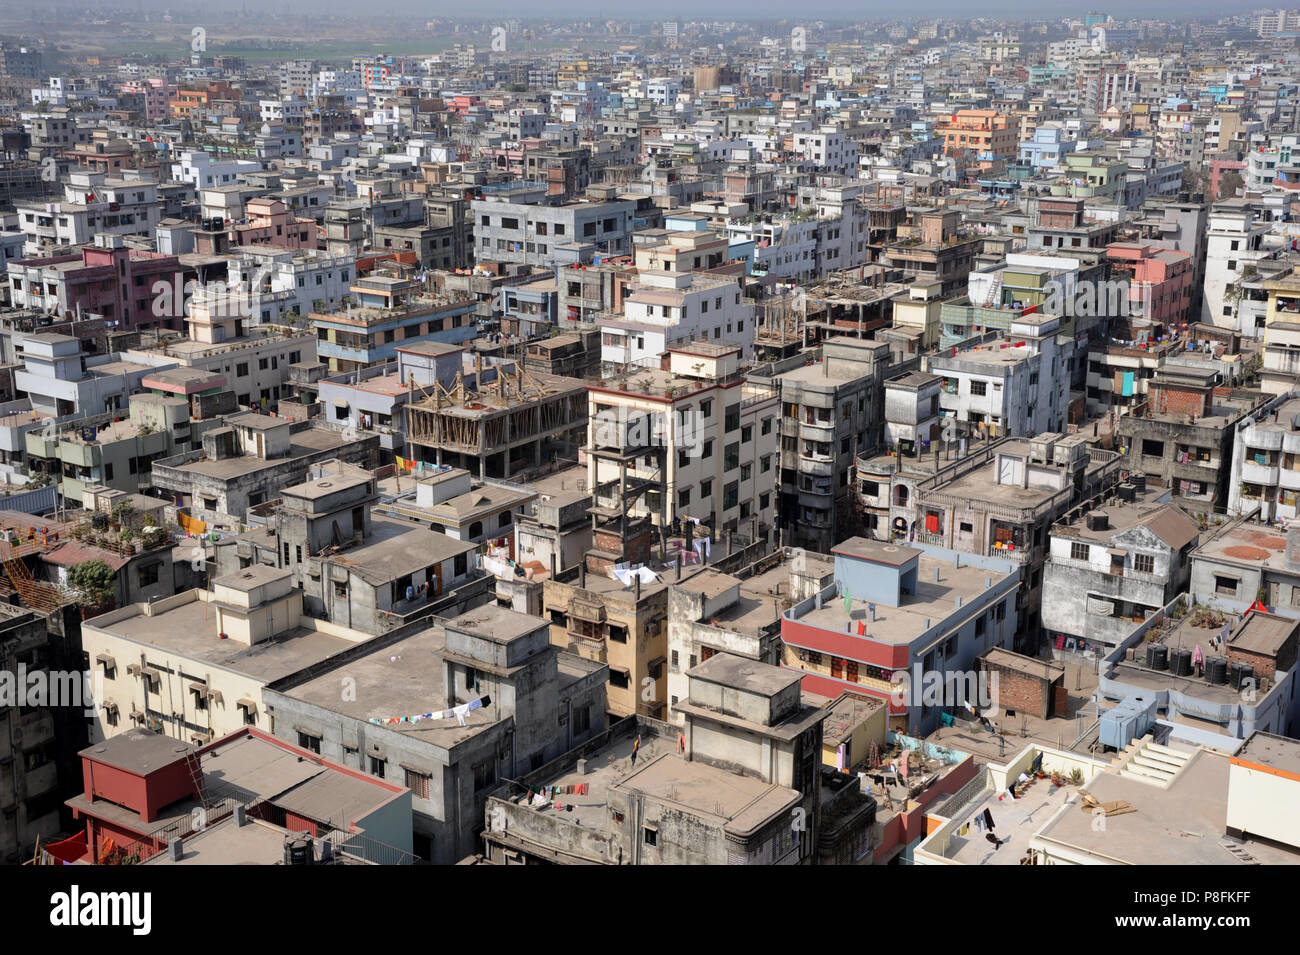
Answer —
1111 567
1181 438
1000 501
355 569
711 612
536 703
1224 698
247 463
574 354
146 793
748 767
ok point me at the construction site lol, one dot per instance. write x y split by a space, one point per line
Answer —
516 425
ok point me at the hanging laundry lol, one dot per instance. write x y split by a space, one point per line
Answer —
988 819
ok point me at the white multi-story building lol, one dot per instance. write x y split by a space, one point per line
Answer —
1234 241
830 148
203 171
664 308
93 203
1012 388
292 280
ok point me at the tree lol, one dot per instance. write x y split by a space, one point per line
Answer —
93 578
1230 182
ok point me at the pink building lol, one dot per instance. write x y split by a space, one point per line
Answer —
271 223
158 94
108 280
1160 277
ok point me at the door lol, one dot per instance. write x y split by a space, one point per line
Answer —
837 667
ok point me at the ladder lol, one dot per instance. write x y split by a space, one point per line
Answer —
1240 853
993 291
194 764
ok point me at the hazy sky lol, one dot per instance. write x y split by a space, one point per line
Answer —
726 9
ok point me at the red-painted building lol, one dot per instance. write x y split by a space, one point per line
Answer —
143 790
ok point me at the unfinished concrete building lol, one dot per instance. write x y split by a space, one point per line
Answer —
516 425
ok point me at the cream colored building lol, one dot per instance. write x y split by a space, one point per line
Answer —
193 666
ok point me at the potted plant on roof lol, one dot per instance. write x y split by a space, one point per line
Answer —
1057 778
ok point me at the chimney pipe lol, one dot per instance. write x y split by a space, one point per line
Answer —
582 574
638 586
936 575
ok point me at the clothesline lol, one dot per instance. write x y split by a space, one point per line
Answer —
457 712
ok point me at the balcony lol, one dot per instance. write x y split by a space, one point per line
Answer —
1253 473
815 466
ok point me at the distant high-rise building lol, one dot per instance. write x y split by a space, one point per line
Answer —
1279 23
670 31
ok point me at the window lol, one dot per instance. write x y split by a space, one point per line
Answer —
149 575
309 742
1078 551
618 679
241 370
582 720
418 784
377 766
485 774
650 835
1227 586
978 388
1144 563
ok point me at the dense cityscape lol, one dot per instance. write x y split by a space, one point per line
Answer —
436 440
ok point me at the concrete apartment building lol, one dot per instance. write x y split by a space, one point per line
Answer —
725 796
247 462
623 628
391 313
1015 387
355 569
892 608
107 280
193 666
1184 435
1232 245
1000 501
1110 568
60 379
1264 464
831 411
712 612
531 233
495 657
554 529
29 793
116 454
93 203
666 309
693 441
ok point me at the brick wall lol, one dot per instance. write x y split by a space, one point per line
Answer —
1166 400
1021 692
